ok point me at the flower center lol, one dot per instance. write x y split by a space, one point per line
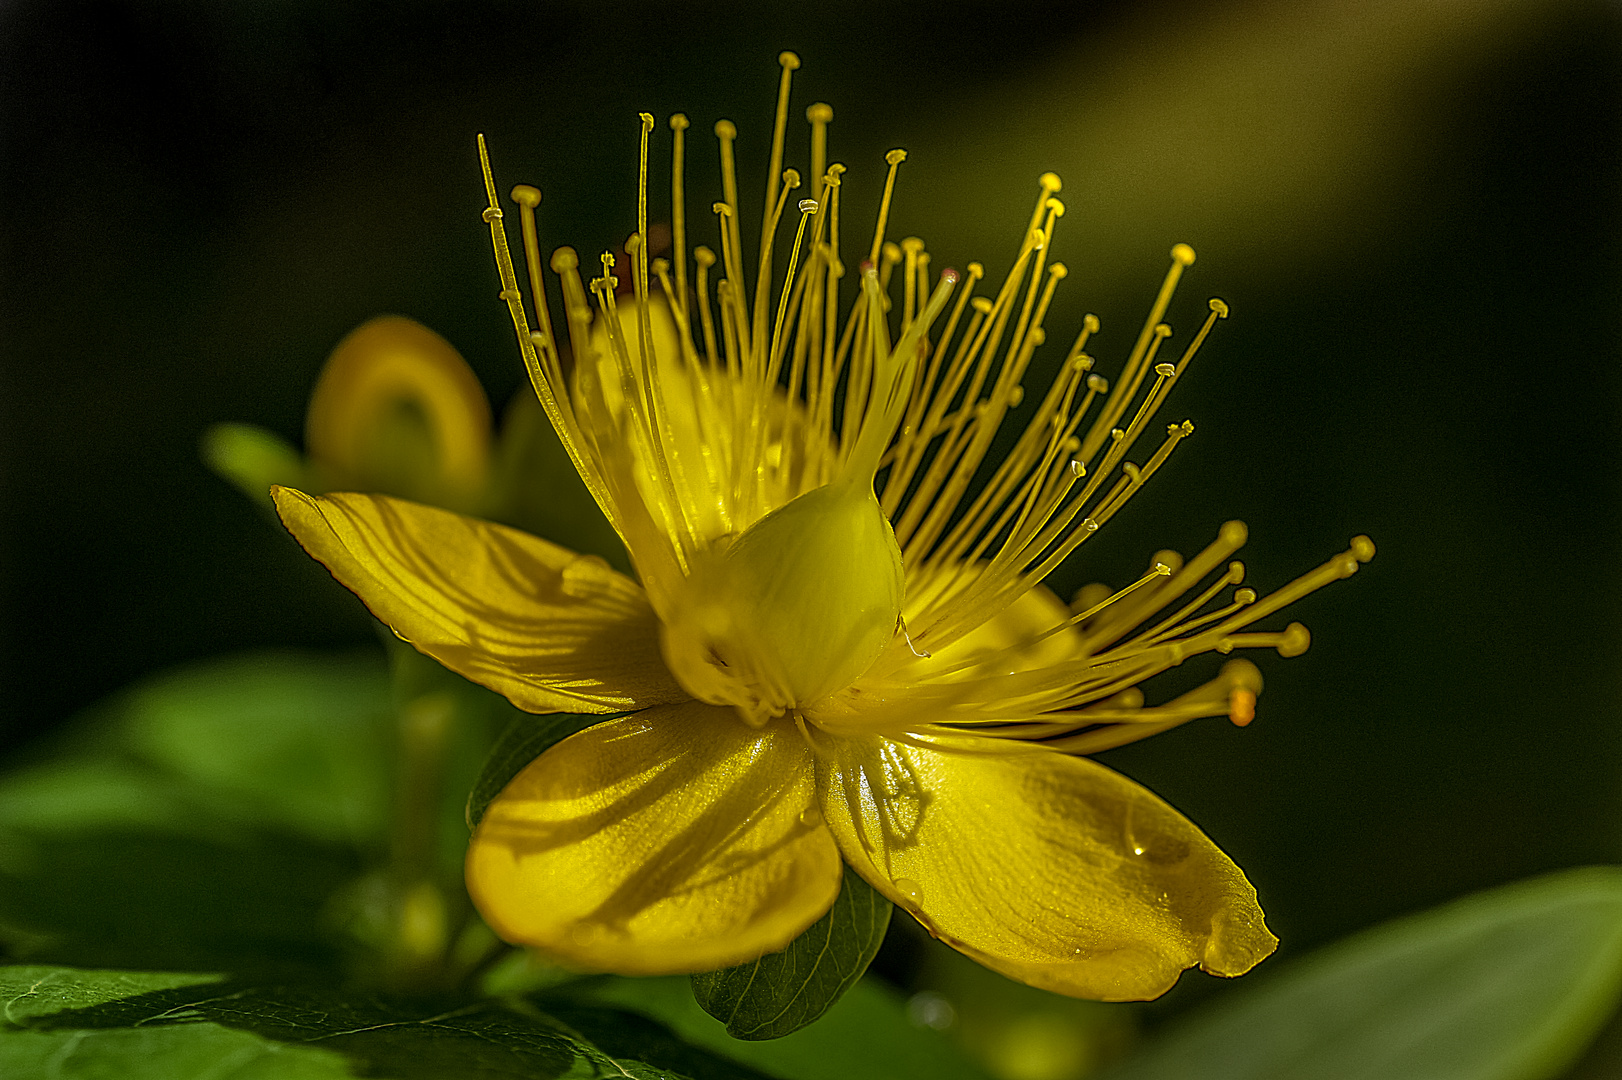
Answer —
795 609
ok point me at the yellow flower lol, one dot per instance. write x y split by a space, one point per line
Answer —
839 650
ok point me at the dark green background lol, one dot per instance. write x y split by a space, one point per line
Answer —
199 199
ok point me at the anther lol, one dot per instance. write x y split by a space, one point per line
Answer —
788 60
1161 569
1049 182
492 213
1077 469
1016 396
1241 705
1097 383
1056 206
647 121
703 256
524 195
1165 370
1220 307
1090 321
726 129
565 259
895 157
722 208
982 304
791 178
1294 641
678 122
950 276
1183 254
808 206
1245 596
820 113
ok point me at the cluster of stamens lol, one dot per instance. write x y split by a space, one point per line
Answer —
786 395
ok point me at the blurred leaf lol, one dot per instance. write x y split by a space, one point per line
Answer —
253 459
866 1034
784 991
1508 984
204 818
524 740
137 1025
295 741
1016 1032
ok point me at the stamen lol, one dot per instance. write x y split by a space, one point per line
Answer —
820 115
568 434
1182 257
758 360
528 198
705 258
731 244
894 158
678 207
789 63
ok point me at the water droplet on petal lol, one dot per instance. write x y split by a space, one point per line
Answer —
908 888
810 816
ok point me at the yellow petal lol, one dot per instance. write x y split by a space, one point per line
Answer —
1050 869
676 840
551 630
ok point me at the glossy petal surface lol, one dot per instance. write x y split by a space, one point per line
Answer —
551 630
674 840
1050 869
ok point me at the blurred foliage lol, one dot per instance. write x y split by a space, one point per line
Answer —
1509 984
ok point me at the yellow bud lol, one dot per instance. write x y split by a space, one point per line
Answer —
397 410
796 609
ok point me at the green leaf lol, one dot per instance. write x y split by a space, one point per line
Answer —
523 741
866 1035
782 992
253 459
1508 984
204 818
57 1022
